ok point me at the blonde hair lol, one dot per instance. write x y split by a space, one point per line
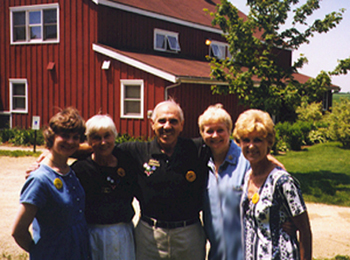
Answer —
215 114
254 120
98 122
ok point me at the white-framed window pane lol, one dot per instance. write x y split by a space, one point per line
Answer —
19 89
19 26
18 96
132 91
19 18
50 16
216 50
19 103
50 24
35 17
160 41
132 107
173 43
35 24
35 32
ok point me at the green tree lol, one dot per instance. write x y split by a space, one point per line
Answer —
339 122
254 72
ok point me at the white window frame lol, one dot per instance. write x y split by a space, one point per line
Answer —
131 82
170 39
219 50
19 81
33 8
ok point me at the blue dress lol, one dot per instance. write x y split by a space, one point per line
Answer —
221 212
279 199
59 227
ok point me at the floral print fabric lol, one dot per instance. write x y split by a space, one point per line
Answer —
279 199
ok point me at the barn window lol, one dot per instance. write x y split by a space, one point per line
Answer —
166 41
18 96
131 99
219 50
34 24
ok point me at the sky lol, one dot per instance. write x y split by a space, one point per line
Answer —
324 50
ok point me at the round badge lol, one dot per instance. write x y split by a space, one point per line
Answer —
121 172
255 198
190 176
58 183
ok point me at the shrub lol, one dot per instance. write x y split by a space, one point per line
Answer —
19 136
127 138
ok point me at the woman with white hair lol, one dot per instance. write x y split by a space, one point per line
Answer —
109 184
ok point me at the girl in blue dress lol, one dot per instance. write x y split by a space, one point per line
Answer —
52 199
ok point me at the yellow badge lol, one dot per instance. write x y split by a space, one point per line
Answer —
153 162
58 183
190 176
255 198
121 172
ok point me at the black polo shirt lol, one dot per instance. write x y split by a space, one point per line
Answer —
170 188
109 190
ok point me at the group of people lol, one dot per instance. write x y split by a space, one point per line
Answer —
246 199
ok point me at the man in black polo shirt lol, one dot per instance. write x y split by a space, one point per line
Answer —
171 181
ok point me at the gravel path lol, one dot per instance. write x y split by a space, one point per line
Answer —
330 224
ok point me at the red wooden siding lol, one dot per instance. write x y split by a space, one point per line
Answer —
117 29
69 83
200 98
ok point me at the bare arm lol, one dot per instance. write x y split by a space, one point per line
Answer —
305 236
275 161
20 230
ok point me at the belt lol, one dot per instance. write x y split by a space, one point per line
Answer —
168 224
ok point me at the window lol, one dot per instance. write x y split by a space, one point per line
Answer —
166 41
131 99
18 96
219 50
34 24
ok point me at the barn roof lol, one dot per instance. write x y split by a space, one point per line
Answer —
171 68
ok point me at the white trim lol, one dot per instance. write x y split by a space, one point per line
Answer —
126 82
134 63
28 8
18 81
157 16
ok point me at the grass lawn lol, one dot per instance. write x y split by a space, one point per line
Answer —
337 96
323 171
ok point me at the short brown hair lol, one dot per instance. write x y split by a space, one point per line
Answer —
68 120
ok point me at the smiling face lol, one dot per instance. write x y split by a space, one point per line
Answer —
102 142
65 144
255 147
167 125
217 137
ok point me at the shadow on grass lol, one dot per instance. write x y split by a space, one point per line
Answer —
325 187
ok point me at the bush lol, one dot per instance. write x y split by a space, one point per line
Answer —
22 137
292 136
127 138
339 123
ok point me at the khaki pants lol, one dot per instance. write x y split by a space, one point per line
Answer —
184 243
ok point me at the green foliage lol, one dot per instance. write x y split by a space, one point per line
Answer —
339 122
310 112
323 172
291 136
254 73
127 138
18 153
338 96
19 136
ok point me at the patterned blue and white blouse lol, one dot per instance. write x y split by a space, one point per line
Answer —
279 199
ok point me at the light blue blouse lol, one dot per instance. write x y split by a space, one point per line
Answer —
221 213
59 227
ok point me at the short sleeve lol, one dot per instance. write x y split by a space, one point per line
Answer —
33 192
291 192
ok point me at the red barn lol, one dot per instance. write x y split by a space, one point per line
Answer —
119 57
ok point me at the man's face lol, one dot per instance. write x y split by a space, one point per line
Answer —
167 125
